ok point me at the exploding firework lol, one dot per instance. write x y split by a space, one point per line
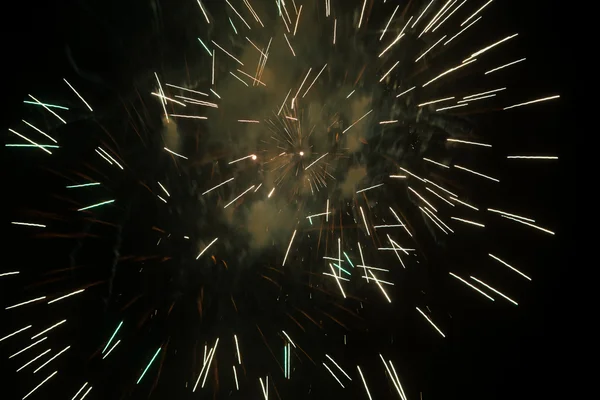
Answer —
229 216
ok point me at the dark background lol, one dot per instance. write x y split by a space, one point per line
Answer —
491 352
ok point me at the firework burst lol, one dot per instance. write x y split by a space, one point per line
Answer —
266 196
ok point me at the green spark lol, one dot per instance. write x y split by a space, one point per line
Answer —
233 26
45 104
83 185
113 336
209 52
96 205
148 366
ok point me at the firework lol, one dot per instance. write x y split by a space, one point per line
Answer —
297 166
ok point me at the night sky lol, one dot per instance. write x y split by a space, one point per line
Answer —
492 350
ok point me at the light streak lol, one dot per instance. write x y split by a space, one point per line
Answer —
330 371
357 121
494 290
79 391
532 102
504 66
112 337
26 302
369 188
533 157
314 162
364 382
28 224
509 266
203 11
148 366
96 205
529 224
288 249
176 154
476 173
206 248
111 349
431 322
15 332
38 386
52 358
365 221
237 349
48 109
29 140
468 142
66 295
471 286
466 221
39 130
28 347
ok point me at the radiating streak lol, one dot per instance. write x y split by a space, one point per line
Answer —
226 52
435 101
466 221
398 176
429 49
495 291
168 98
452 205
212 73
504 66
511 215
243 158
96 205
83 185
463 203
220 184
509 266
111 157
112 337
210 362
357 121
288 42
251 77
392 377
298 19
335 276
390 70
477 173
533 157
363 262
422 198
468 142
369 188
379 282
439 15
476 12
249 121
26 302
210 353
289 246
37 103
313 82
52 358
284 100
238 78
254 14
336 364
398 381
365 221
464 29
388 24
258 187
148 366
435 162
15 332
491 46
199 102
34 359
424 11
203 12
364 382
484 93
265 390
350 94
163 102
38 386
431 322
529 224
388 122
362 13
45 146
206 248
473 287
29 140
28 224
374 269
86 393
270 193
330 371
163 188
327 212
313 163
176 154
439 220
451 107
318 215
79 391
234 200
532 102
40 131
334 29
237 386
337 279
28 347
477 98
215 93
111 349
48 109
388 226
448 71
290 340
238 14
9 273
393 43
425 211
449 15
66 295
186 89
